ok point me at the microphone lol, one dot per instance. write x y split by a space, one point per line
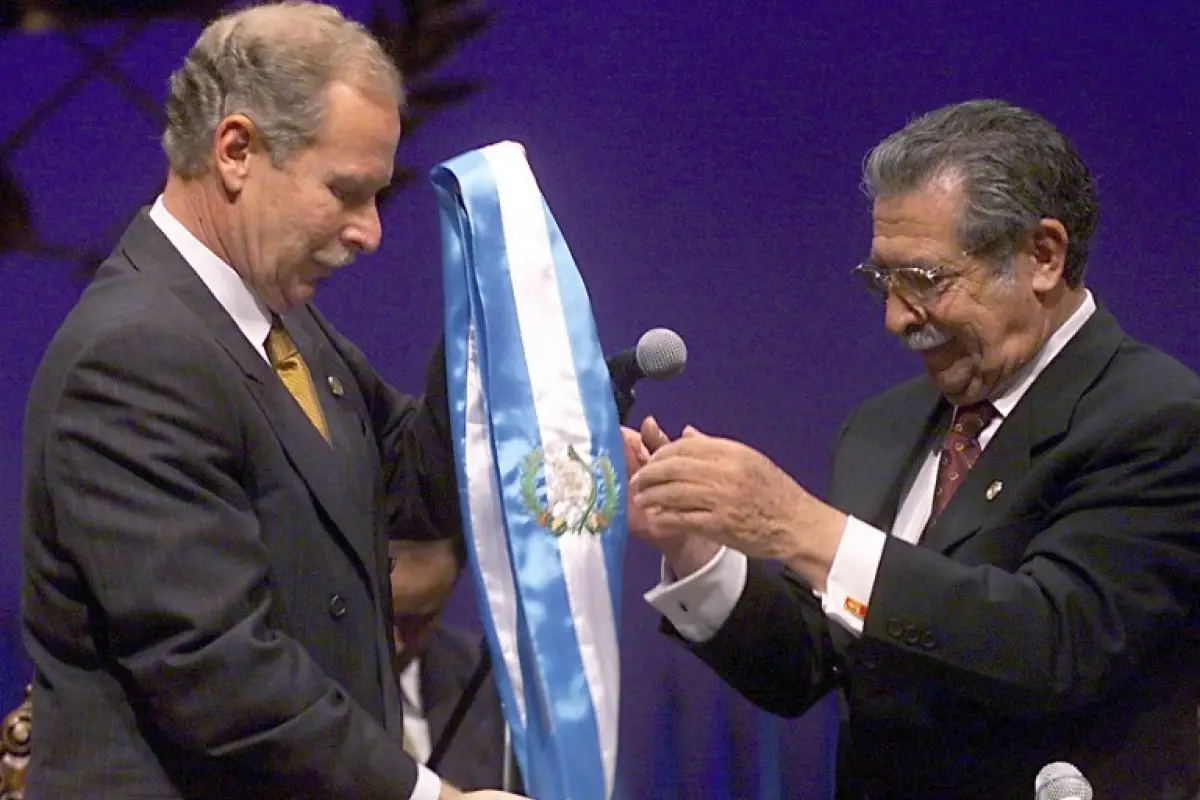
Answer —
1061 781
660 355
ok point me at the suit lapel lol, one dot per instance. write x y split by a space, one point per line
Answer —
441 685
331 470
475 757
148 249
883 469
1042 416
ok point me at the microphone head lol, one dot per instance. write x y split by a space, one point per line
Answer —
661 354
1061 781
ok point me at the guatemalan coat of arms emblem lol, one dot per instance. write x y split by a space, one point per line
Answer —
567 494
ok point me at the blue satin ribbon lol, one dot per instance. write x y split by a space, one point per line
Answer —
557 745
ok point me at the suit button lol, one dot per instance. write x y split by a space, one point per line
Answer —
894 628
337 606
910 635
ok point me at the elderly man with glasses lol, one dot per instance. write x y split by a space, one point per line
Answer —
1007 570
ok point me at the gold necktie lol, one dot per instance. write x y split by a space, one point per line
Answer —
292 370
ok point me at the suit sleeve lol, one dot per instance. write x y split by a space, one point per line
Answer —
785 670
1110 579
419 476
144 454
787 665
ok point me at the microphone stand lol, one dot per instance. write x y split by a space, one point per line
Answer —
508 781
624 397
470 692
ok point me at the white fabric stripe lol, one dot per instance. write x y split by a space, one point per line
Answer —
561 422
487 523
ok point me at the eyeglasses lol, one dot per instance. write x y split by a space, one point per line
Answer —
921 286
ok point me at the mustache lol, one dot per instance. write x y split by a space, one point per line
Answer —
926 337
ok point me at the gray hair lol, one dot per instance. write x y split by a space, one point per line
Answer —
1014 166
273 63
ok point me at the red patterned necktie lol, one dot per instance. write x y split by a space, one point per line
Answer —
960 451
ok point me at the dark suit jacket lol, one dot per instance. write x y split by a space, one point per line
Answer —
205 578
1052 622
475 756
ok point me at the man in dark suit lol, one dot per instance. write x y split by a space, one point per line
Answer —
435 664
475 755
212 472
1007 571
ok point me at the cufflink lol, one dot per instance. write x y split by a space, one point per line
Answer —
855 607
993 489
338 390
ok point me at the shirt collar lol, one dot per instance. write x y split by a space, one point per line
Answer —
1025 376
226 285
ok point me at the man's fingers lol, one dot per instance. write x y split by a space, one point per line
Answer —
674 497
652 435
681 469
669 523
635 449
697 445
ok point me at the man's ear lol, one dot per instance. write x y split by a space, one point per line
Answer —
236 143
1047 248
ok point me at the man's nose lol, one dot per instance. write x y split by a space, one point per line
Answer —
900 315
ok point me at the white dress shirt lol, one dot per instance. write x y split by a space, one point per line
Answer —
417 736
254 321
253 318
699 604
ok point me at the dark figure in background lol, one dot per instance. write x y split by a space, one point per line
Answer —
435 662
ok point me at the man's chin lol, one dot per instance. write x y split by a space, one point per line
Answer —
956 388
301 293
959 392
404 657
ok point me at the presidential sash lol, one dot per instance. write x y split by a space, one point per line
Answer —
541 470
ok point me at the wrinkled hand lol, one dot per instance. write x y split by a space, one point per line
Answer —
685 553
733 495
639 447
636 457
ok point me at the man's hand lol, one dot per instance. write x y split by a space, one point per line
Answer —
685 553
636 457
733 495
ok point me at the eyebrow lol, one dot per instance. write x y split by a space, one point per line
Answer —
359 184
909 263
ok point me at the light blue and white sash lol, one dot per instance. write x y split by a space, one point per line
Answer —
541 469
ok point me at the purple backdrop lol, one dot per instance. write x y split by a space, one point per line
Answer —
703 165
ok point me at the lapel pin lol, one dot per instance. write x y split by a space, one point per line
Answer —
335 386
993 489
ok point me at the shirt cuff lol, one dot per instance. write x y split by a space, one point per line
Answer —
852 577
429 785
699 604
